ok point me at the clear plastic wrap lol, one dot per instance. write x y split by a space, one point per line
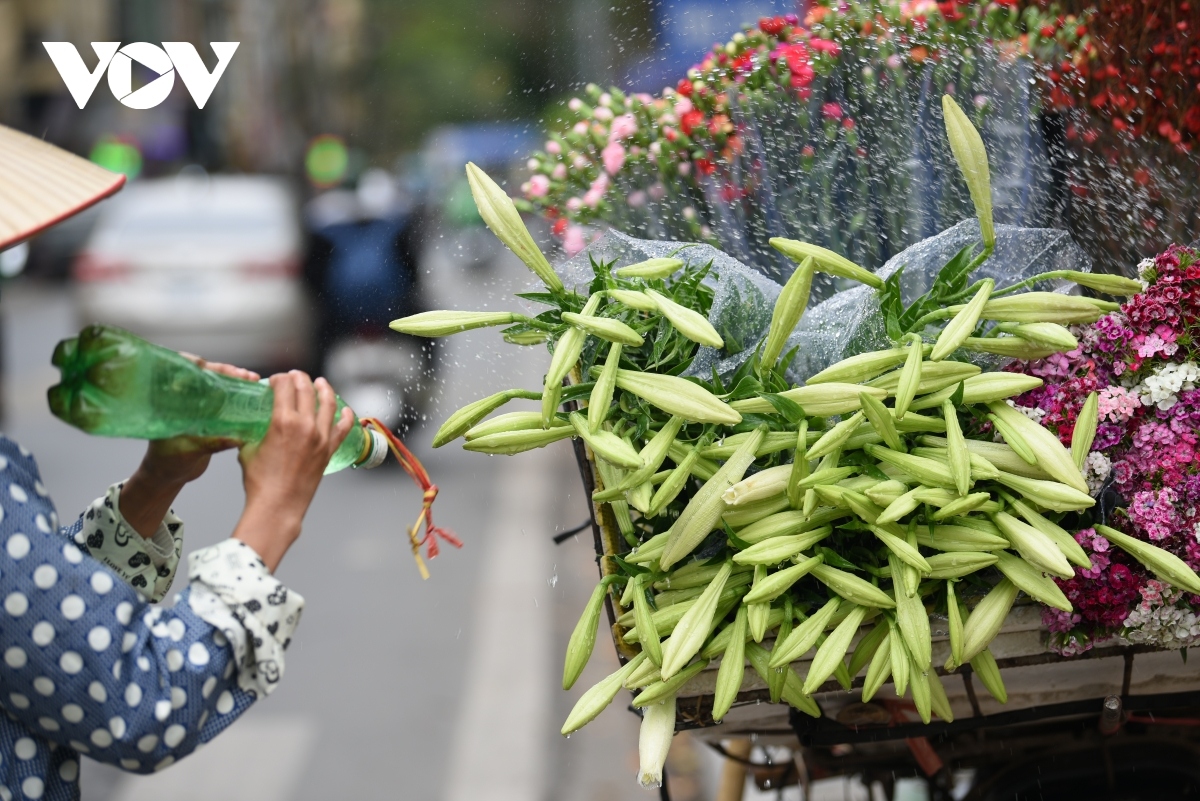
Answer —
847 323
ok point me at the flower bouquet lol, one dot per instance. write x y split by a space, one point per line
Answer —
767 540
826 131
1136 372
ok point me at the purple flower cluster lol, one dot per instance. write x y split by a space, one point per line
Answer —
1141 361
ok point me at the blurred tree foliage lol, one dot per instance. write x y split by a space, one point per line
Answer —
430 62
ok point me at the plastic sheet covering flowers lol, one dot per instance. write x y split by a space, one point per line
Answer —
1140 366
767 520
827 131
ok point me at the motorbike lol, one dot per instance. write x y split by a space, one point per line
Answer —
362 266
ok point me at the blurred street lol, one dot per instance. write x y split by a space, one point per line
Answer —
444 689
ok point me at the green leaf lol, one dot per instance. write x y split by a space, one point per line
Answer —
787 360
734 540
956 400
894 331
835 559
952 278
627 568
542 297
748 387
753 421
791 411
576 392
716 381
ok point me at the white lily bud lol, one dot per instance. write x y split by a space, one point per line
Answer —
501 215
654 741
688 322
651 269
444 323
969 152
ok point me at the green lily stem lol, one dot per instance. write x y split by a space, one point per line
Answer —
933 316
1028 282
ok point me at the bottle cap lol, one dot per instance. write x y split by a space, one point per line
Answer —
378 451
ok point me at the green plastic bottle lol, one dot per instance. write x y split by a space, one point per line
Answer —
115 384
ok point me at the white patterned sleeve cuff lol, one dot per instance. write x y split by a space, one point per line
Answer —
232 590
145 563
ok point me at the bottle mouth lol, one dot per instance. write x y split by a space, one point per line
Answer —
377 451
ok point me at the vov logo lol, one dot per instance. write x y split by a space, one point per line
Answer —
164 61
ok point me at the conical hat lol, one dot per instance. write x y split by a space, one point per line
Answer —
41 184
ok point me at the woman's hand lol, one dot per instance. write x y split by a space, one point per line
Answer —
281 474
176 461
171 463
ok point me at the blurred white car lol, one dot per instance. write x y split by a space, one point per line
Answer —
206 264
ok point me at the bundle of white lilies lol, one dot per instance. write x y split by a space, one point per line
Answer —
765 520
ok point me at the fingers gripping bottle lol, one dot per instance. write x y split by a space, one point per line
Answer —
115 384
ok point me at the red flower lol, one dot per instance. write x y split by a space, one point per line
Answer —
705 166
950 11
691 121
796 57
771 26
560 226
744 64
684 87
831 111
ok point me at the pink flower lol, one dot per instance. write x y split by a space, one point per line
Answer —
580 162
657 191
685 169
683 106
538 186
574 204
575 104
553 148
831 111
614 157
894 61
580 128
603 113
1118 404
636 199
573 240
623 127
1154 513
559 172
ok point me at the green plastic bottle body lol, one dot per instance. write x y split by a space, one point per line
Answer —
115 384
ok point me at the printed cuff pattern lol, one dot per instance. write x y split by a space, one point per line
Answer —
146 564
232 590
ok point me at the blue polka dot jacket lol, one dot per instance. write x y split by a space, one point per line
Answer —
91 666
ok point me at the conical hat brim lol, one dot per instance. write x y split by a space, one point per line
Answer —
41 184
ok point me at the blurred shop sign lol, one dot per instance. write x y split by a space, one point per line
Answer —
117 61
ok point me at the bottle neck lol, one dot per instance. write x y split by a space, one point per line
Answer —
374 449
